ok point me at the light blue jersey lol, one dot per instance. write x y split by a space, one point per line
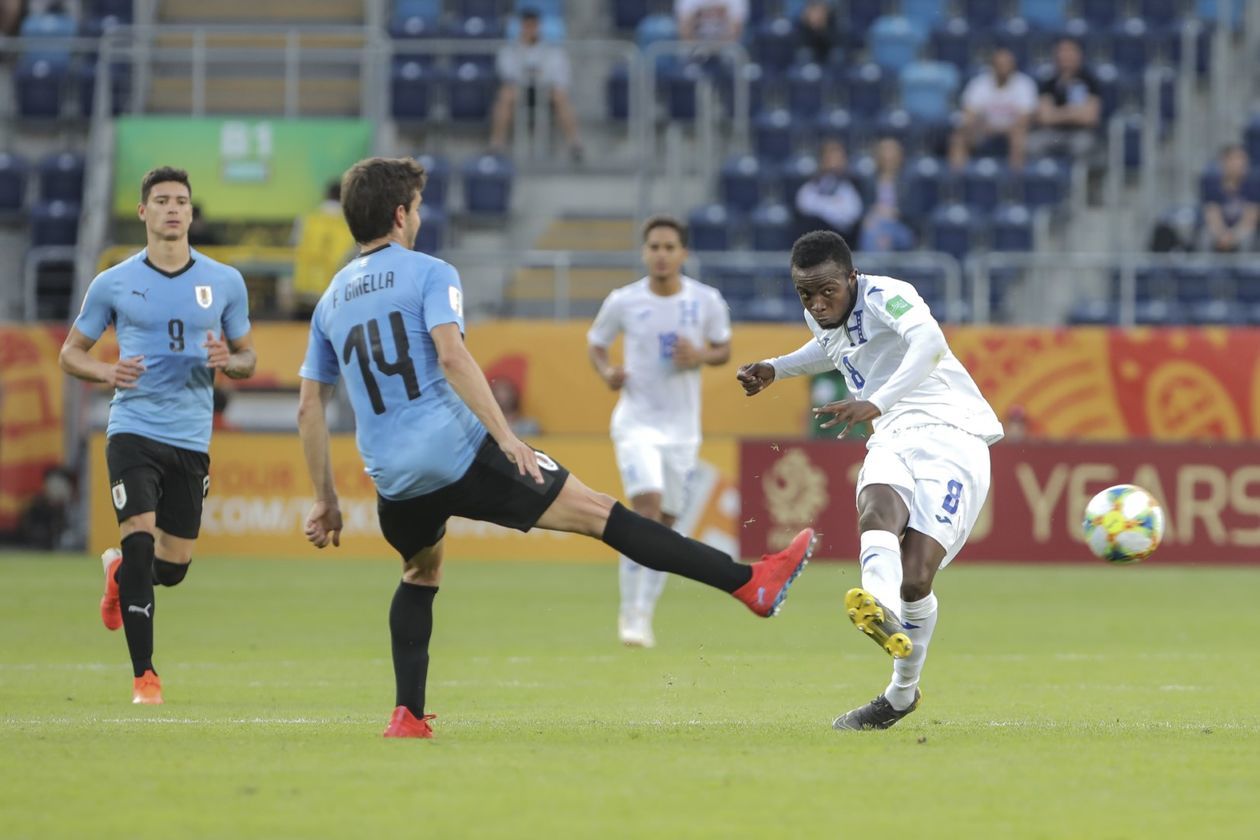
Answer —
165 318
372 324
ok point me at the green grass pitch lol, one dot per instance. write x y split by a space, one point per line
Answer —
1080 702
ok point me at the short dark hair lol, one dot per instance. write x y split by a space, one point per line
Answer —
373 188
820 246
530 13
161 175
662 221
1231 149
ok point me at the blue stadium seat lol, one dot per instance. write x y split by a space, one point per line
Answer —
865 88
862 16
711 228
39 87
837 124
739 183
983 184
654 28
54 223
923 189
793 174
120 84
953 43
952 229
897 123
983 14
1011 228
123 10
547 8
755 76
772 228
627 14
926 14
1016 35
677 84
488 185
1045 182
617 92
411 91
470 91
476 29
478 8
1130 45
1108 76
438 180
47 27
433 228
1048 15
61 177
928 89
774 134
1094 313
895 41
1154 297
404 27
774 43
1203 52
1251 138
1133 127
1159 13
1247 290
421 8
1214 11
1100 14
805 90
13 175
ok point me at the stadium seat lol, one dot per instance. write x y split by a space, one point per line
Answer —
1100 14
488 185
953 43
836 124
654 28
865 88
1154 297
923 189
897 123
54 223
1047 15
627 14
1093 313
983 14
39 88
772 228
438 180
773 135
552 8
404 27
1214 11
755 77
951 229
470 92
432 235
1011 228
711 228
677 84
13 175
1130 45
928 89
421 8
550 28
42 32
774 43
895 42
476 29
804 84
984 181
478 8
925 14
1133 127
793 174
1247 290
61 177
120 83
862 15
1016 35
1159 13
1045 183
123 10
739 183
54 288
1203 52
411 91
1251 138
617 92
1108 76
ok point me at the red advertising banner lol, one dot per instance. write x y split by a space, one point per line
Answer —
1210 494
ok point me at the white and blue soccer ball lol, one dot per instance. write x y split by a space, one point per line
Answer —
1123 524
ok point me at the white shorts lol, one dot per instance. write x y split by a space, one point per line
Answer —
941 473
657 468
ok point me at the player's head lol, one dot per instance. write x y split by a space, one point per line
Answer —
664 247
380 198
166 204
531 24
823 273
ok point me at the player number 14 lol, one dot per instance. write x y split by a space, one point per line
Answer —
364 336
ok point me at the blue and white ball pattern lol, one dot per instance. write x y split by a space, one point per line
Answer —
1123 524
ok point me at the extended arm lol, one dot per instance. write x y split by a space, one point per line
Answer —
807 360
323 525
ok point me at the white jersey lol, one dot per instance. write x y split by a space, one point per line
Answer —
870 347
659 402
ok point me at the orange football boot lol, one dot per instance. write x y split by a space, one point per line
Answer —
147 690
111 611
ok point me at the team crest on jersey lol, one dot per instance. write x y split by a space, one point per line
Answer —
545 462
204 296
119 492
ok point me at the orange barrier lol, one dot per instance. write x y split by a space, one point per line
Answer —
31 434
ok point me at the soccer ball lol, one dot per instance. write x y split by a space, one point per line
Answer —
1123 524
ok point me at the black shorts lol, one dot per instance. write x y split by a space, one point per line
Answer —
148 476
492 490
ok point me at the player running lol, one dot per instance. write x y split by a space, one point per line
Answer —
926 473
178 316
435 442
672 325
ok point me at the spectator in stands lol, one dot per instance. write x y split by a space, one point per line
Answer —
1069 110
711 20
831 198
997 106
322 245
508 395
43 523
10 16
1231 204
883 228
527 66
200 232
816 28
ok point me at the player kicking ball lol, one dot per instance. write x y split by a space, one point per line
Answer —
179 316
926 472
435 443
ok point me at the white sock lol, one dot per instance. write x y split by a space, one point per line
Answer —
881 567
920 620
629 575
651 584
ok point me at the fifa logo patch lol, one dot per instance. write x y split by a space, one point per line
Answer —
204 296
119 492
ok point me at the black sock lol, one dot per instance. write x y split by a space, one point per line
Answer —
653 545
135 596
410 626
167 573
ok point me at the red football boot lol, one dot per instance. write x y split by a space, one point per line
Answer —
773 574
111 611
147 690
403 724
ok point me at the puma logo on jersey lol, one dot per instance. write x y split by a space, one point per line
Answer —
146 610
144 296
